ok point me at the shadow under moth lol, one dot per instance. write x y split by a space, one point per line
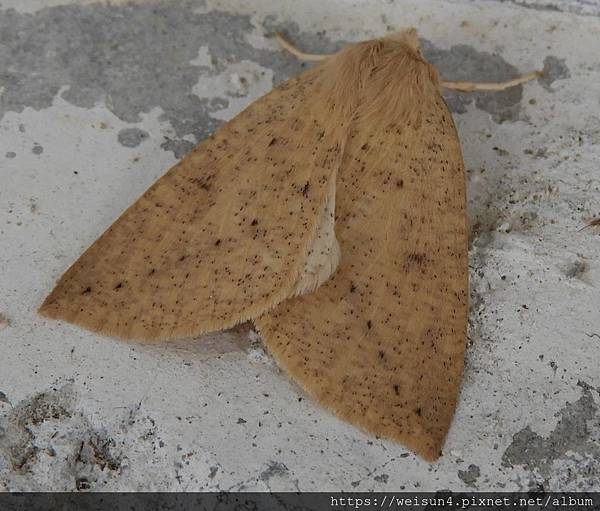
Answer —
331 212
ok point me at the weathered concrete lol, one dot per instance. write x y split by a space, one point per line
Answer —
586 7
97 100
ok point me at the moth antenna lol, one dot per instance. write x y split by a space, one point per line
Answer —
491 86
299 54
592 223
451 85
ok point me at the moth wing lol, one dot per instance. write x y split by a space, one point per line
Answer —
381 343
226 233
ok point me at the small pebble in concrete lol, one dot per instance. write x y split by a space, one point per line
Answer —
37 149
470 475
275 468
383 478
505 227
11 154
4 322
574 268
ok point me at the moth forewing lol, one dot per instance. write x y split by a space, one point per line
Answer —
385 341
226 233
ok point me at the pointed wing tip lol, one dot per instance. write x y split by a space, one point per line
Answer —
51 308
54 308
48 308
429 458
430 454
427 447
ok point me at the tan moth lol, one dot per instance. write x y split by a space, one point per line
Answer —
332 213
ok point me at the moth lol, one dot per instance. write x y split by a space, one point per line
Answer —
332 213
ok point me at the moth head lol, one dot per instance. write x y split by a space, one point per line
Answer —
409 38
405 45
381 75
406 41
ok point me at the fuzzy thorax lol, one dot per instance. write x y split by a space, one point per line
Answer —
379 75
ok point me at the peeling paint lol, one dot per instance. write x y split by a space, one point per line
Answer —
132 137
554 69
572 436
164 417
165 55
151 60
275 468
470 476
47 434
17 441
462 62
238 82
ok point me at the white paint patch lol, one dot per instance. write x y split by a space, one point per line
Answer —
204 58
240 83
31 6
259 38
56 203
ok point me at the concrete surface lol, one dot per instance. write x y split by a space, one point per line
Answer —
99 99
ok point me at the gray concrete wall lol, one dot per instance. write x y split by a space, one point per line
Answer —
97 100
